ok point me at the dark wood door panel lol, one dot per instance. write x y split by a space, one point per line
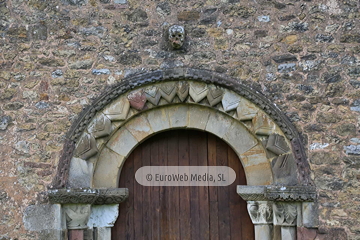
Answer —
181 213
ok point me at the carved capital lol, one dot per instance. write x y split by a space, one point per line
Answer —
260 212
285 214
77 215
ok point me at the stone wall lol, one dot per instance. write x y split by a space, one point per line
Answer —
57 56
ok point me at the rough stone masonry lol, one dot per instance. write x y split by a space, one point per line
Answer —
57 56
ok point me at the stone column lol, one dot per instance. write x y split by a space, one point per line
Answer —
285 215
77 216
261 215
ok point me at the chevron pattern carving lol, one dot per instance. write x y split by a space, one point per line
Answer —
105 122
118 110
198 91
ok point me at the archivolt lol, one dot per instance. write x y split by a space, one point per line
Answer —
173 90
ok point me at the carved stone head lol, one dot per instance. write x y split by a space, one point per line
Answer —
176 36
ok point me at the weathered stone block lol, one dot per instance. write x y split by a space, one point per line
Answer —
198 117
218 124
178 116
284 169
43 217
139 127
122 142
103 216
158 119
107 169
188 15
80 173
285 58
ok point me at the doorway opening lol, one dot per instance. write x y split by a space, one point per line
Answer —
182 212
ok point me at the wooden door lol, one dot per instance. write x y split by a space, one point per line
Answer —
197 213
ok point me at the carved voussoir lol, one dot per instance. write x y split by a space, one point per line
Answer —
153 94
214 95
118 110
168 91
284 169
183 90
230 101
137 99
198 91
86 147
246 110
277 144
263 125
100 126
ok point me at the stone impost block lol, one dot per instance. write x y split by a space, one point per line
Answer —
278 193
252 193
86 196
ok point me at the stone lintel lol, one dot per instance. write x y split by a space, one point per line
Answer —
277 193
88 196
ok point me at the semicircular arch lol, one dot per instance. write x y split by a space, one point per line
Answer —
122 104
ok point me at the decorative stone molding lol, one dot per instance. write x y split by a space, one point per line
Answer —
277 193
260 212
77 215
266 117
88 196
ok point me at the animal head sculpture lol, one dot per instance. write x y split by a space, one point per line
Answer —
176 36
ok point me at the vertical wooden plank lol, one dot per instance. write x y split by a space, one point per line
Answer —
129 183
173 192
203 190
146 193
155 193
223 193
164 222
184 192
123 227
194 191
234 199
213 193
138 198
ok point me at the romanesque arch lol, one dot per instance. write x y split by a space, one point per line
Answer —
280 193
